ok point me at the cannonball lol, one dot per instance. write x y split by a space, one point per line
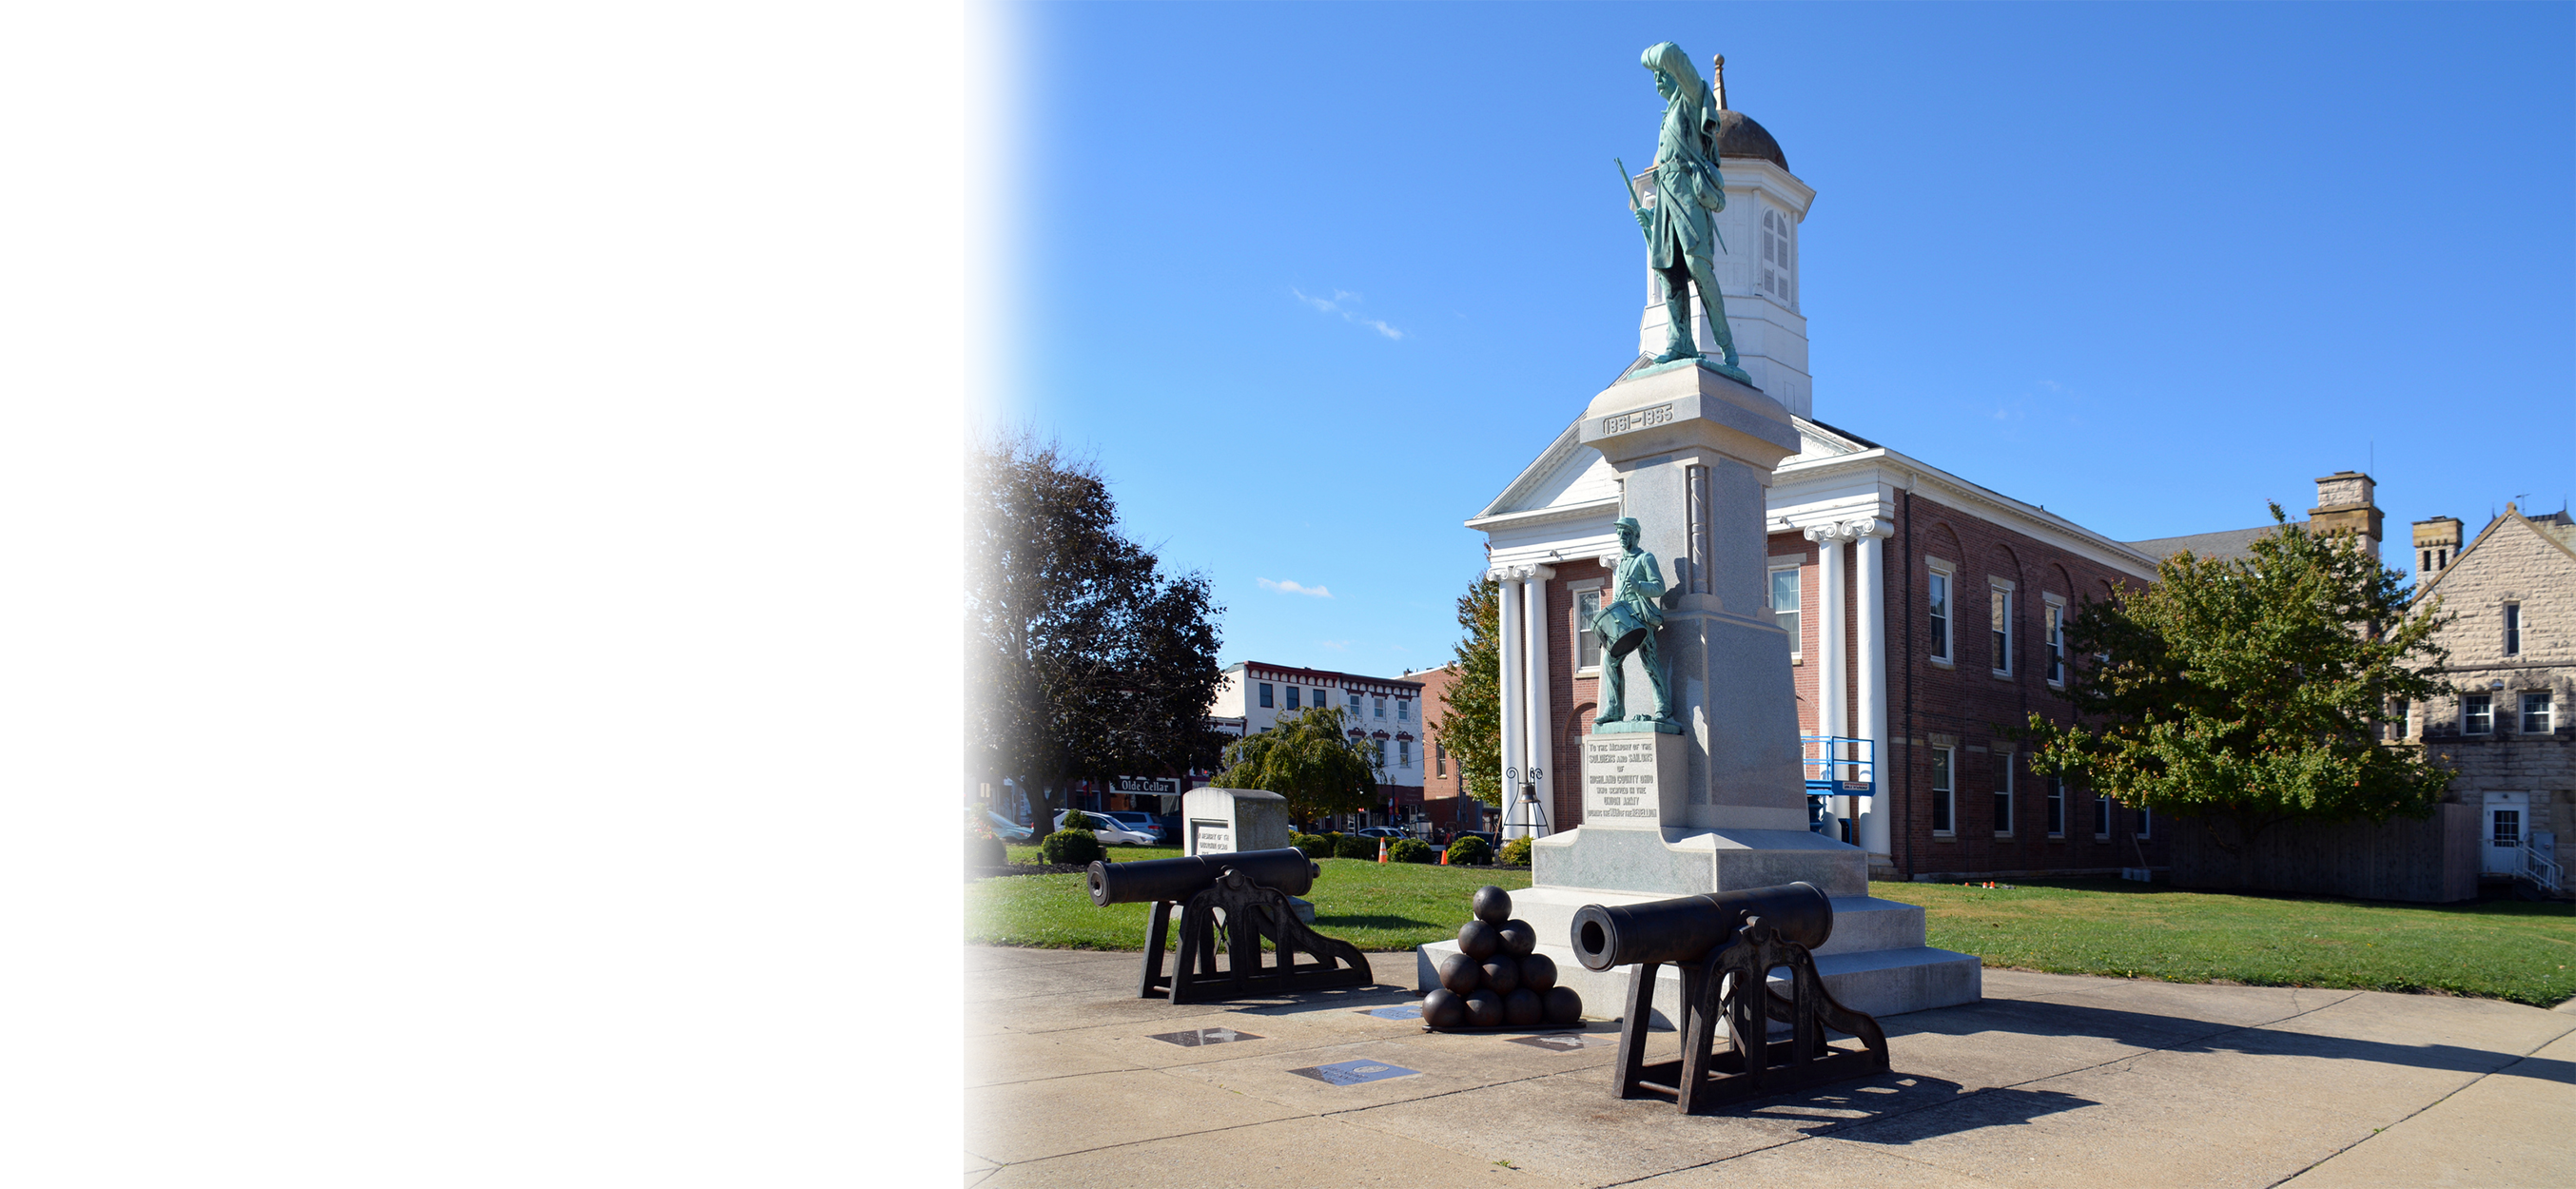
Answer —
1493 905
1443 1009
1519 938
1562 1006
1521 1008
1459 973
1502 974
1484 1010
1538 973
1479 940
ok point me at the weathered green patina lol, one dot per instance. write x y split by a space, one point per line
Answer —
1627 623
1681 234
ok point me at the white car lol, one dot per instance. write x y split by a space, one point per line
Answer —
1108 830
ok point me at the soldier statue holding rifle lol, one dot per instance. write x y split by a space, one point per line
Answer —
1682 240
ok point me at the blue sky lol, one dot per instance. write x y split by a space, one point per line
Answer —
1311 283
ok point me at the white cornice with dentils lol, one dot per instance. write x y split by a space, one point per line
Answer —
1899 471
1887 470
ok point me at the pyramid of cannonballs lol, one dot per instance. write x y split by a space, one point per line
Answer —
1494 980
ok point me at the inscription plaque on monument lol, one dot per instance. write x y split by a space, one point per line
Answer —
1633 780
1211 838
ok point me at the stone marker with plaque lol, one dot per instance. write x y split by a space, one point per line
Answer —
1218 821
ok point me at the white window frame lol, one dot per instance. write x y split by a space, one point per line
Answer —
1355 707
1381 708
2548 712
2056 794
2468 722
2004 795
1948 612
2146 824
1599 589
2000 586
1797 566
2053 614
2101 817
1404 710
1945 788
1404 753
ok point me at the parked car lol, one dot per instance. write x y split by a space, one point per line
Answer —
1110 831
1381 832
1492 840
1142 823
1008 830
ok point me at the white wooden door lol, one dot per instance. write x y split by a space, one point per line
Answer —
2500 843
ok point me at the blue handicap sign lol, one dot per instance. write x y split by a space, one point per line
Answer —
1401 1011
1352 1073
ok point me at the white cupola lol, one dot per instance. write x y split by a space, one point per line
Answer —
1765 203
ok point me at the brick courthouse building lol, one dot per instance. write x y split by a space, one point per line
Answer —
1924 610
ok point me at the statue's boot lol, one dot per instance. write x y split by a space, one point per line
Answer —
1704 276
1678 342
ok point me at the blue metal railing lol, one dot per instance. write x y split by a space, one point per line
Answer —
1836 766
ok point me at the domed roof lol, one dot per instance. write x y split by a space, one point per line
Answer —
1739 136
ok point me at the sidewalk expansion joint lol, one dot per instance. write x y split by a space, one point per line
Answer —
2393 1125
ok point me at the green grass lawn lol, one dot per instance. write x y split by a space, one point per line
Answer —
2522 952
2504 949
1374 906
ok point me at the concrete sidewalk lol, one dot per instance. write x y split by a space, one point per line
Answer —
2052 1080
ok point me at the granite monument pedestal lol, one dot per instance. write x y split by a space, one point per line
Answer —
1722 804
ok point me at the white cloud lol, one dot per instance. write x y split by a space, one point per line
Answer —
1337 303
1336 645
1292 586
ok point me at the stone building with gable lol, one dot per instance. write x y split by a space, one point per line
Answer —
1927 611
2503 727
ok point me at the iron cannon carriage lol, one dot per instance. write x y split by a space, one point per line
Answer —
1246 896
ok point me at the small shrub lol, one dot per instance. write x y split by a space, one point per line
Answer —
1078 847
1411 850
984 850
1355 846
1515 853
1316 846
1470 851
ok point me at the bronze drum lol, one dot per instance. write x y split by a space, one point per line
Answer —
1620 627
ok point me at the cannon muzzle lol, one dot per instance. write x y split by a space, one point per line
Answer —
1686 929
1287 869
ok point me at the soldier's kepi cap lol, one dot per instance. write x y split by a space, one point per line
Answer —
1626 522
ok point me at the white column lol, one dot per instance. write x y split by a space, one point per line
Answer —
1508 629
1831 717
1536 751
1873 832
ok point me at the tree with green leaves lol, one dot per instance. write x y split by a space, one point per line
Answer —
1084 659
2248 693
1309 758
1471 718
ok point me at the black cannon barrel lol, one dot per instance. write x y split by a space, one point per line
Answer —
1685 929
1286 869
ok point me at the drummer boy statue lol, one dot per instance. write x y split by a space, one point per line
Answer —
1627 623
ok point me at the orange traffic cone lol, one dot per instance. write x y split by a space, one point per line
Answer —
1381 850
1444 858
